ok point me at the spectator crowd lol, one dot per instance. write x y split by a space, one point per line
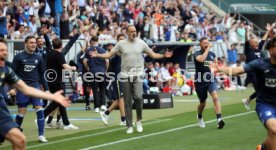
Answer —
155 20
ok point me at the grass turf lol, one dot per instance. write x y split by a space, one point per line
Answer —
243 132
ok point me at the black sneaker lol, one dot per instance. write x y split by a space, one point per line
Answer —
221 124
87 108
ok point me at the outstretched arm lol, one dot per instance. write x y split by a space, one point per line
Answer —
68 46
154 55
32 92
269 28
227 70
246 33
104 55
44 32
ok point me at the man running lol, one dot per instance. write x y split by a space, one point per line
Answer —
265 70
205 81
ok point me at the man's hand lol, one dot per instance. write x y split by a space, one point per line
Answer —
269 27
93 53
64 101
209 46
168 54
73 68
44 30
12 92
248 28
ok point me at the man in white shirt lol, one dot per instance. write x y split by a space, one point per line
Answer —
132 70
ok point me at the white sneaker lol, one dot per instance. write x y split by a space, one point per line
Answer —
49 125
59 124
70 127
103 108
122 123
97 110
104 117
139 126
42 139
200 122
246 104
129 130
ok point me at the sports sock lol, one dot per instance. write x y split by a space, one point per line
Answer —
87 98
58 118
107 112
218 117
199 116
123 118
50 118
19 119
40 121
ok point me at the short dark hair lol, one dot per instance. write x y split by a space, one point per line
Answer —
202 39
271 43
28 38
57 43
21 25
38 38
3 41
119 35
94 39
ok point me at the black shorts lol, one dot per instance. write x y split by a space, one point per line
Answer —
202 92
6 121
114 90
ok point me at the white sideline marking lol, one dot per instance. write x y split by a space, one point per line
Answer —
162 132
91 135
196 100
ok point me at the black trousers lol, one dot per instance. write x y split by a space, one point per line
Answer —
54 105
253 79
86 92
98 89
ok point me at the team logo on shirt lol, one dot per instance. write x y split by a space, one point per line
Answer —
207 63
267 71
29 68
268 113
258 54
270 82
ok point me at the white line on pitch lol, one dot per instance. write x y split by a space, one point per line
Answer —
94 134
196 100
162 132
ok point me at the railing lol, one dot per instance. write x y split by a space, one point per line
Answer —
16 46
222 4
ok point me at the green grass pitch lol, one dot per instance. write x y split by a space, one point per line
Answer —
172 128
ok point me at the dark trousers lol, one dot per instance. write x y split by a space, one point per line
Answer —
239 81
98 89
54 105
62 111
251 77
86 92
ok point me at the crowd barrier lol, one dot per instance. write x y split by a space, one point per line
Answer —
180 50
